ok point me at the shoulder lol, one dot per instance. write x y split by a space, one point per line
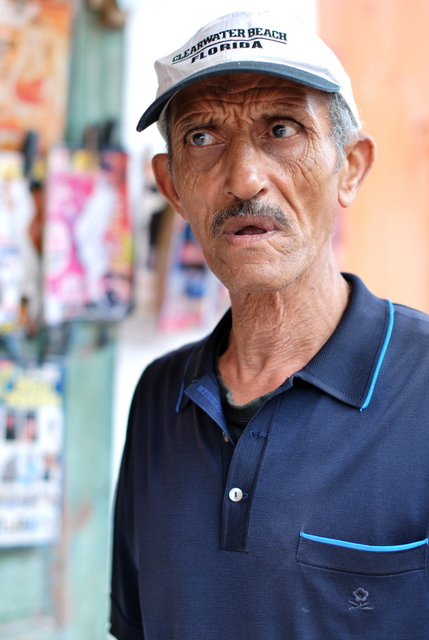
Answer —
409 348
191 360
159 386
411 322
155 399
171 365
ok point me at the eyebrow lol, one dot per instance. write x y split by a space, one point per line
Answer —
285 102
285 112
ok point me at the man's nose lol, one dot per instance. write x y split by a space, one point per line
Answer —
246 171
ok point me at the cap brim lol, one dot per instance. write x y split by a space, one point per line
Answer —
152 114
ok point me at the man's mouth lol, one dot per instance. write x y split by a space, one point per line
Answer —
254 225
250 230
250 218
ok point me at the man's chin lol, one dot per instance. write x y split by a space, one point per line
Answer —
254 286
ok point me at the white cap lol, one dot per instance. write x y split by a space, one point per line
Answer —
270 43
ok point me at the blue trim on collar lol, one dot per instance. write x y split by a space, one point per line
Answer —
381 356
346 365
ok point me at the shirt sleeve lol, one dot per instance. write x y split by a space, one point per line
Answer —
125 617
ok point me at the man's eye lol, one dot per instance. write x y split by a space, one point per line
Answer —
201 139
283 131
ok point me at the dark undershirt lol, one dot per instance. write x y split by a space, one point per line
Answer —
236 415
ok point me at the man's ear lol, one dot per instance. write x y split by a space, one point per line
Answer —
359 158
165 182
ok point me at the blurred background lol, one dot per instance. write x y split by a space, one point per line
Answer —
98 276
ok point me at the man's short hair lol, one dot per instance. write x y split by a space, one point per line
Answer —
343 124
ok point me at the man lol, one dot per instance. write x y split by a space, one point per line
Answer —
274 480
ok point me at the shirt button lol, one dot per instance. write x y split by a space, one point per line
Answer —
235 494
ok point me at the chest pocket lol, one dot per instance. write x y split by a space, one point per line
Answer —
363 591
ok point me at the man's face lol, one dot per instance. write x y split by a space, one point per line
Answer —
253 169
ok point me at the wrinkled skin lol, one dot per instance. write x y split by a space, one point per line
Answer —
258 138
250 136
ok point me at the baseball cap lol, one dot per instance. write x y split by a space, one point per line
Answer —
273 43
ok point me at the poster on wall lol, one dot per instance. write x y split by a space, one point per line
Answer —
88 237
34 61
193 298
31 445
19 261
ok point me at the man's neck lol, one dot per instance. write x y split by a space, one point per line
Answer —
275 335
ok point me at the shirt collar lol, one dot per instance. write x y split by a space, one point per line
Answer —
347 365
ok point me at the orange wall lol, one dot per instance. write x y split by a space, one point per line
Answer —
384 46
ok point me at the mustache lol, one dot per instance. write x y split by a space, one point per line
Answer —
243 208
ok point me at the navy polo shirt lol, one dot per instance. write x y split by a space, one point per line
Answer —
313 526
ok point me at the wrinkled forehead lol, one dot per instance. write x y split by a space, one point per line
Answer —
243 91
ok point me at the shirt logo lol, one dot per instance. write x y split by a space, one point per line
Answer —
360 600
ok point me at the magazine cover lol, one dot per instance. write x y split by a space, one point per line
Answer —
34 60
31 446
88 238
19 261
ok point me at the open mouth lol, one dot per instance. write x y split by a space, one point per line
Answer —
250 230
253 226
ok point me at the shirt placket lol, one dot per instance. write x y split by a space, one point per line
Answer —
246 462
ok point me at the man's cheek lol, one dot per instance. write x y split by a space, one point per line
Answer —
187 182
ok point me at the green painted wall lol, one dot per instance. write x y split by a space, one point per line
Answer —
88 455
96 74
61 592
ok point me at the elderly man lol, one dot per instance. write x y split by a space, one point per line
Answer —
274 484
